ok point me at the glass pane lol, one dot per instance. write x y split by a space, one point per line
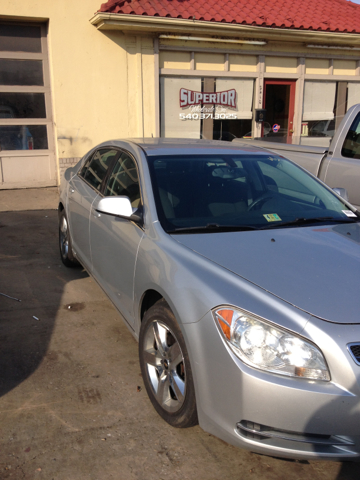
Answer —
21 72
95 170
124 180
351 147
277 109
23 137
16 38
230 129
22 105
238 192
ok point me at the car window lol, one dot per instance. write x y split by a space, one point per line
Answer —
96 167
124 180
253 191
279 180
351 147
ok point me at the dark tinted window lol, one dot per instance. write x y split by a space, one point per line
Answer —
21 72
20 38
251 191
124 180
23 137
351 147
22 105
96 167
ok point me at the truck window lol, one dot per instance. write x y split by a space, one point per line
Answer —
351 146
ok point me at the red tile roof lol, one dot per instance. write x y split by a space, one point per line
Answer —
323 15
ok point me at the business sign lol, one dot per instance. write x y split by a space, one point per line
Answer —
189 97
202 104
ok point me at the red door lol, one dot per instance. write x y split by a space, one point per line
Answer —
279 103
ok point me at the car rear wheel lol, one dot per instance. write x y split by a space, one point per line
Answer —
165 367
65 242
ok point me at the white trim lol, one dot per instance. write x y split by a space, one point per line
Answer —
259 94
192 61
299 98
164 46
334 47
226 66
215 40
206 73
157 87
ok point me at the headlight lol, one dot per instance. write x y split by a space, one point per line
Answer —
270 348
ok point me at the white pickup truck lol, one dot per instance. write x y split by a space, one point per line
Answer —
337 165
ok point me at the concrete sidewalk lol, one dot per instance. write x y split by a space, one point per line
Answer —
29 199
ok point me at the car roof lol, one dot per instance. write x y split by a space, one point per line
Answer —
189 146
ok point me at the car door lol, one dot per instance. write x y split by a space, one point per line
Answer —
83 190
115 241
343 169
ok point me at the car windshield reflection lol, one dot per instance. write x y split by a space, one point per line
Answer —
202 193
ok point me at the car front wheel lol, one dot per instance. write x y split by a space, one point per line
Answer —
165 367
65 242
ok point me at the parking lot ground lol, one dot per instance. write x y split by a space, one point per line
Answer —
72 401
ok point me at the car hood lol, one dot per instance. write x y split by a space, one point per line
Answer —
316 269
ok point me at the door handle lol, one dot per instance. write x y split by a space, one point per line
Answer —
72 190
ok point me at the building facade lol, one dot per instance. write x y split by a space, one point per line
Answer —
78 73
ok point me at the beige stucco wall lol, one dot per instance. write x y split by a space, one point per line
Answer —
95 76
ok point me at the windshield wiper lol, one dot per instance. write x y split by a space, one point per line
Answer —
308 221
213 227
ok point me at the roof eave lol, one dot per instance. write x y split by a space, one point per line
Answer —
143 24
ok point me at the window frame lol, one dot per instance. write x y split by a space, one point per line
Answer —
110 170
45 90
87 162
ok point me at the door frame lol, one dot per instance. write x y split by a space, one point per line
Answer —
292 84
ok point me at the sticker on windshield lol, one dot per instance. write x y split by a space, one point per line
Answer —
349 213
273 217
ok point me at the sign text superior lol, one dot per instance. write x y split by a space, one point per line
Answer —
189 97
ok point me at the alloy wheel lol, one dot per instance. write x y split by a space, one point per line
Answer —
165 366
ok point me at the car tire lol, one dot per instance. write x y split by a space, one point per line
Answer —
165 367
65 246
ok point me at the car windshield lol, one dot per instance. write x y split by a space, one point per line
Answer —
241 192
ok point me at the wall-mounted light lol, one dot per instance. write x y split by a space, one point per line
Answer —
217 40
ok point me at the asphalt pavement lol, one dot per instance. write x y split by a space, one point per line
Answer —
72 401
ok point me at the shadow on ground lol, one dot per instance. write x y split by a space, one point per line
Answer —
31 271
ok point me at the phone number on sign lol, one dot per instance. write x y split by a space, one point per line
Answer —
204 116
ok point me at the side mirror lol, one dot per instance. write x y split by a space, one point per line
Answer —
119 206
69 173
342 192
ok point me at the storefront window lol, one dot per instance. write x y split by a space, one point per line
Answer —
353 96
325 104
234 122
318 121
203 107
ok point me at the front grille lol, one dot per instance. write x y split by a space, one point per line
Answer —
354 350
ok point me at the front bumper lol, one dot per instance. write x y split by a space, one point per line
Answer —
272 414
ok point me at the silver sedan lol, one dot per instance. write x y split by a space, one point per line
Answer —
238 273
